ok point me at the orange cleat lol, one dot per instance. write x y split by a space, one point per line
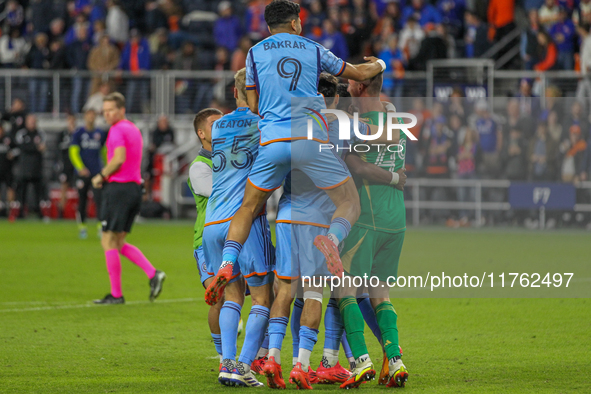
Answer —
258 364
331 253
336 374
313 376
215 290
385 372
300 378
272 370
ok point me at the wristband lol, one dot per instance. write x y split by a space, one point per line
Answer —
382 64
395 178
390 107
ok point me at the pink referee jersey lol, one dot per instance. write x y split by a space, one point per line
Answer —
124 133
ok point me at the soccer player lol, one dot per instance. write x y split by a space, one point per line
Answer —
67 170
235 144
6 157
87 155
279 68
375 242
122 196
200 183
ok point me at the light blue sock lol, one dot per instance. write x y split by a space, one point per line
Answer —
333 326
217 341
265 344
296 315
254 333
231 251
346 347
277 330
229 319
369 316
340 228
308 338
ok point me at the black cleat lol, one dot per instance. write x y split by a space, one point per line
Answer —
156 284
109 299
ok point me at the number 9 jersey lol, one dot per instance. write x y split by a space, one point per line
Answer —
235 146
282 67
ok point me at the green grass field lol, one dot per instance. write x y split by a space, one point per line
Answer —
52 339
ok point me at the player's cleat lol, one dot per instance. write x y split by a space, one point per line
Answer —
272 370
226 368
312 375
336 374
300 378
82 233
242 378
109 299
385 372
363 372
398 374
156 284
331 253
215 290
258 364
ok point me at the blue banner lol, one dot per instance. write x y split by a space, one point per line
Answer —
529 195
442 92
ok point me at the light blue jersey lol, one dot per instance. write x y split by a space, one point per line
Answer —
235 145
282 67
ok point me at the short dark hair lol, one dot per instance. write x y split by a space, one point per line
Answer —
202 116
374 85
279 12
117 98
343 92
327 86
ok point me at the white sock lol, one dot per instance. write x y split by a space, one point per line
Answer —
362 359
262 352
333 238
243 365
274 352
304 358
330 358
294 361
221 358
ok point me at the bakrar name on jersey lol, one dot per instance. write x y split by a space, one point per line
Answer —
283 45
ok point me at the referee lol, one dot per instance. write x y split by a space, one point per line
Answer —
121 198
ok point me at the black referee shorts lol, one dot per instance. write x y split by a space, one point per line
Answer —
120 205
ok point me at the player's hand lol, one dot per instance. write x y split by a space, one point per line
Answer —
84 172
370 59
401 179
97 181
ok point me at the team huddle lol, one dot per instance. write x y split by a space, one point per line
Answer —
341 214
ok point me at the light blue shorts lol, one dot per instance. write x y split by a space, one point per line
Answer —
204 272
257 258
276 159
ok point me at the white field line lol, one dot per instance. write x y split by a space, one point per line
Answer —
92 305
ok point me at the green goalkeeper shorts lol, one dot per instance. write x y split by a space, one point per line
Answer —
372 253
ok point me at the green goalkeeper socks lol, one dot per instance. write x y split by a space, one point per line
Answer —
386 316
354 325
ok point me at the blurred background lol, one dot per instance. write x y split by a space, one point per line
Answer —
501 89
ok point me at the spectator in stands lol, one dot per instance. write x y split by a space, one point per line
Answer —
99 29
186 60
548 53
135 58
457 104
155 18
77 57
239 55
333 40
95 103
555 128
56 30
466 159
411 37
163 134
30 145
542 155
513 156
256 26
432 47
80 23
117 23
12 49
549 14
582 14
41 12
15 116
438 150
57 55
103 58
578 117
14 15
228 28
563 33
529 105
490 141
160 50
395 62
313 25
38 59
518 122
457 131
422 12
573 155
500 16
529 48
476 38
452 12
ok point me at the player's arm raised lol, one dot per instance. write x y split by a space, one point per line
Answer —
361 72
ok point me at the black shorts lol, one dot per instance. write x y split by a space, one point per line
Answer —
120 205
7 178
68 174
